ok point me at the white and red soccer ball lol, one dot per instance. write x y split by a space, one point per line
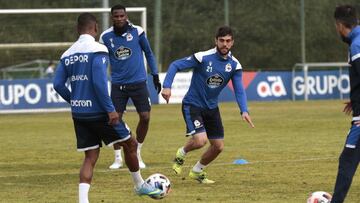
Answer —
161 182
319 197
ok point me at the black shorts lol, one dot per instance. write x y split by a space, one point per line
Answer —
203 120
89 134
138 93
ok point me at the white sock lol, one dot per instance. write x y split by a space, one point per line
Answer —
118 155
138 180
198 167
139 147
182 151
83 192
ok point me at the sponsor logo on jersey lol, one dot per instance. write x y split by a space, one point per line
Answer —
215 81
129 37
123 53
81 103
78 78
228 67
82 58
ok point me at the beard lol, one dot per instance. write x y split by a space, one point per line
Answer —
121 30
345 39
224 54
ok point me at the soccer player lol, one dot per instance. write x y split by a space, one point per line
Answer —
126 44
347 27
212 70
84 64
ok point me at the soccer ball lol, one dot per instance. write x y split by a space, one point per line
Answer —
161 182
319 197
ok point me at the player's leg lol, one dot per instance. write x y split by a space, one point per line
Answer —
119 97
348 163
197 172
86 174
195 128
215 134
118 161
121 134
139 94
89 142
141 132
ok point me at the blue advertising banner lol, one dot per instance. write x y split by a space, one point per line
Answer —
38 94
284 85
29 94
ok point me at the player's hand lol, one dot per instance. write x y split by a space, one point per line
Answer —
157 83
246 117
113 118
347 109
166 93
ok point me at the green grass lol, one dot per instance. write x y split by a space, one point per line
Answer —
292 151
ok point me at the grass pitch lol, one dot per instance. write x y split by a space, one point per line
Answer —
292 152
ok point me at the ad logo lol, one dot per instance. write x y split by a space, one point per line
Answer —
274 86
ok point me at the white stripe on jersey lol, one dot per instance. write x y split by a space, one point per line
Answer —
103 33
238 65
199 55
139 29
85 44
353 58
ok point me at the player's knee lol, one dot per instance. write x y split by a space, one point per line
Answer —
200 143
144 117
132 144
218 148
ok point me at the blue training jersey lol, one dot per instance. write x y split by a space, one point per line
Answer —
354 70
84 64
211 73
126 55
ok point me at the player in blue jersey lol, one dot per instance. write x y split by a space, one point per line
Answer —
212 70
84 65
126 44
347 26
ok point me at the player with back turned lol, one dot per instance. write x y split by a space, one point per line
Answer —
347 26
95 120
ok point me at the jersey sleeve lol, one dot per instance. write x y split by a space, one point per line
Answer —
239 90
100 81
355 57
144 43
59 82
179 65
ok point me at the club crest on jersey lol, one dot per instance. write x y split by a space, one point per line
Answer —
215 81
129 37
123 53
228 67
